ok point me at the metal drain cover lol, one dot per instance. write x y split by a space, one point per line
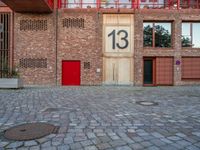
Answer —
147 103
30 131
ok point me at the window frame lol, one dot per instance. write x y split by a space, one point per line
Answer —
153 35
191 34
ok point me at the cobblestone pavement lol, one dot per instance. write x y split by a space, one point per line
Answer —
92 118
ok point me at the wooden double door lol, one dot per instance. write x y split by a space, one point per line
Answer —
118 49
158 71
118 71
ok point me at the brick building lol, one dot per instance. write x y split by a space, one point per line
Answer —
95 42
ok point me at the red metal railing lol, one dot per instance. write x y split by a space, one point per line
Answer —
50 3
134 4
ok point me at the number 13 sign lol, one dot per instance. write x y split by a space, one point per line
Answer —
117 39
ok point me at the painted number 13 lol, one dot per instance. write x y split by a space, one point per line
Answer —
124 38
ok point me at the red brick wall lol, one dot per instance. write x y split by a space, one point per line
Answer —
35 45
84 44
176 51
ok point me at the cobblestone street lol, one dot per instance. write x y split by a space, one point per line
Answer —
105 117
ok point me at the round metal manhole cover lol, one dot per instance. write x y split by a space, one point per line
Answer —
30 131
147 103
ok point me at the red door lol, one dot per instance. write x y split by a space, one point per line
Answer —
71 73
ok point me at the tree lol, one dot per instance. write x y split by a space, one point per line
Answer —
162 36
186 42
148 39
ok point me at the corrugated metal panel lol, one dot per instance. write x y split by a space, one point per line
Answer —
164 71
191 68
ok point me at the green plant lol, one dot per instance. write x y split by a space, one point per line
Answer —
14 73
10 73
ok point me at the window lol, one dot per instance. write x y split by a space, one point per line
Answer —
78 3
157 34
191 35
152 3
116 4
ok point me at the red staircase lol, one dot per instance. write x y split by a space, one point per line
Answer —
30 6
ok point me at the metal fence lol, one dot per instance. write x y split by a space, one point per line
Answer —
4 44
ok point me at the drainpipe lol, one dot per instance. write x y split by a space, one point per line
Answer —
56 30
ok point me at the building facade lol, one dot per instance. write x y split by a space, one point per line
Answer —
95 42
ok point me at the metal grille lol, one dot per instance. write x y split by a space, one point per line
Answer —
33 25
33 62
73 22
4 44
86 65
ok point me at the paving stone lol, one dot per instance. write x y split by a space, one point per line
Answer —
196 133
42 140
35 147
146 144
104 139
103 146
116 143
91 148
22 148
157 142
75 146
192 147
46 144
181 135
123 148
157 135
174 138
80 138
165 140
168 147
153 148
106 117
49 148
30 143
68 140
86 143
91 135
137 146
15 145
115 137
2 144
63 147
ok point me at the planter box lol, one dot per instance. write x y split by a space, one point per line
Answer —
11 83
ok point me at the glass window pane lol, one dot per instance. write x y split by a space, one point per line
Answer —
186 29
74 3
162 34
89 3
196 35
148 34
186 35
125 3
108 4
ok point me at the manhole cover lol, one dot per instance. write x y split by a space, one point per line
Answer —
30 131
147 103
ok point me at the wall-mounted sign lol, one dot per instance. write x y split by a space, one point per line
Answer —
1 27
117 38
178 62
